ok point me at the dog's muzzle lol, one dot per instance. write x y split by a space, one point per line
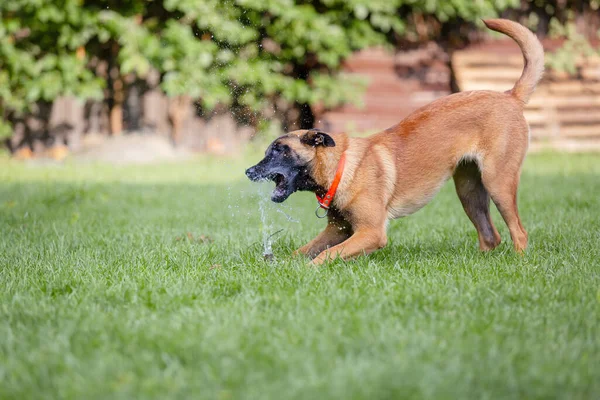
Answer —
253 174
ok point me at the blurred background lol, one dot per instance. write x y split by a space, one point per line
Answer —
133 80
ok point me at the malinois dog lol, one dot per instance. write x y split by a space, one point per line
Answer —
479 138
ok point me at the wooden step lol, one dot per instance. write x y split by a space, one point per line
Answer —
591 72
565 101
479 58
474 58
589 131
573 116
493 73
573 87
563 144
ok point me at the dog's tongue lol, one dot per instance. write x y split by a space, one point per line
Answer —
280 189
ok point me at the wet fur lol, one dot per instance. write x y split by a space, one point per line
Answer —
479 138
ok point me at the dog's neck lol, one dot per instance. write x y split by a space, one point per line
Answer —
326 161
306 183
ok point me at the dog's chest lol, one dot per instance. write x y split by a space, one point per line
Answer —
411 200
402 208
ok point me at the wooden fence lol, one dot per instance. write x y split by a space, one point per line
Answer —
398 83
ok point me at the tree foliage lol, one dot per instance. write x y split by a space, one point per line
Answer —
245 54
38 54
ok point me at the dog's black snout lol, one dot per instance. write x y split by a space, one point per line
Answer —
251 173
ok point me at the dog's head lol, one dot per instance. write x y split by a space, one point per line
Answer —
288 162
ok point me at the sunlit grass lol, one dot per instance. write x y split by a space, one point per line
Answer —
149 282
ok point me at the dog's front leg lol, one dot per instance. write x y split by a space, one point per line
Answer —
332 235
363 241
336 231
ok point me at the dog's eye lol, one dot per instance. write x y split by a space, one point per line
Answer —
279 148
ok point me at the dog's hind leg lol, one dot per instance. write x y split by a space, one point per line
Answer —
502 185
475 200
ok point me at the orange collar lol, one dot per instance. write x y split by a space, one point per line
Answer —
325 201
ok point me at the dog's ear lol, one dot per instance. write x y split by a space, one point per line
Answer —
315 137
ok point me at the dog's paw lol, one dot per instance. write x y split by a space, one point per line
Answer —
302 251
320 260
297 253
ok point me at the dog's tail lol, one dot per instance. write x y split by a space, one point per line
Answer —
533 54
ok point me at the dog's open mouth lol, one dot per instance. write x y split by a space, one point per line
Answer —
280 193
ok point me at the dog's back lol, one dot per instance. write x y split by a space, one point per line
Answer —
463 120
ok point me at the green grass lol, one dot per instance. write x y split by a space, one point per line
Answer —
103 295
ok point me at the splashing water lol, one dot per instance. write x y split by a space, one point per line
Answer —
287 216
268 229
266 222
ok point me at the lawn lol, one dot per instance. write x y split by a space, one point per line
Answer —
149 282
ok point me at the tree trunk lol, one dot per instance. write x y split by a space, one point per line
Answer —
116 110
179 108
307 117
116 91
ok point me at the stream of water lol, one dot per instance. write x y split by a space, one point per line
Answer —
268 229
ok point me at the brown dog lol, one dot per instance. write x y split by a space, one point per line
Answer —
479 138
